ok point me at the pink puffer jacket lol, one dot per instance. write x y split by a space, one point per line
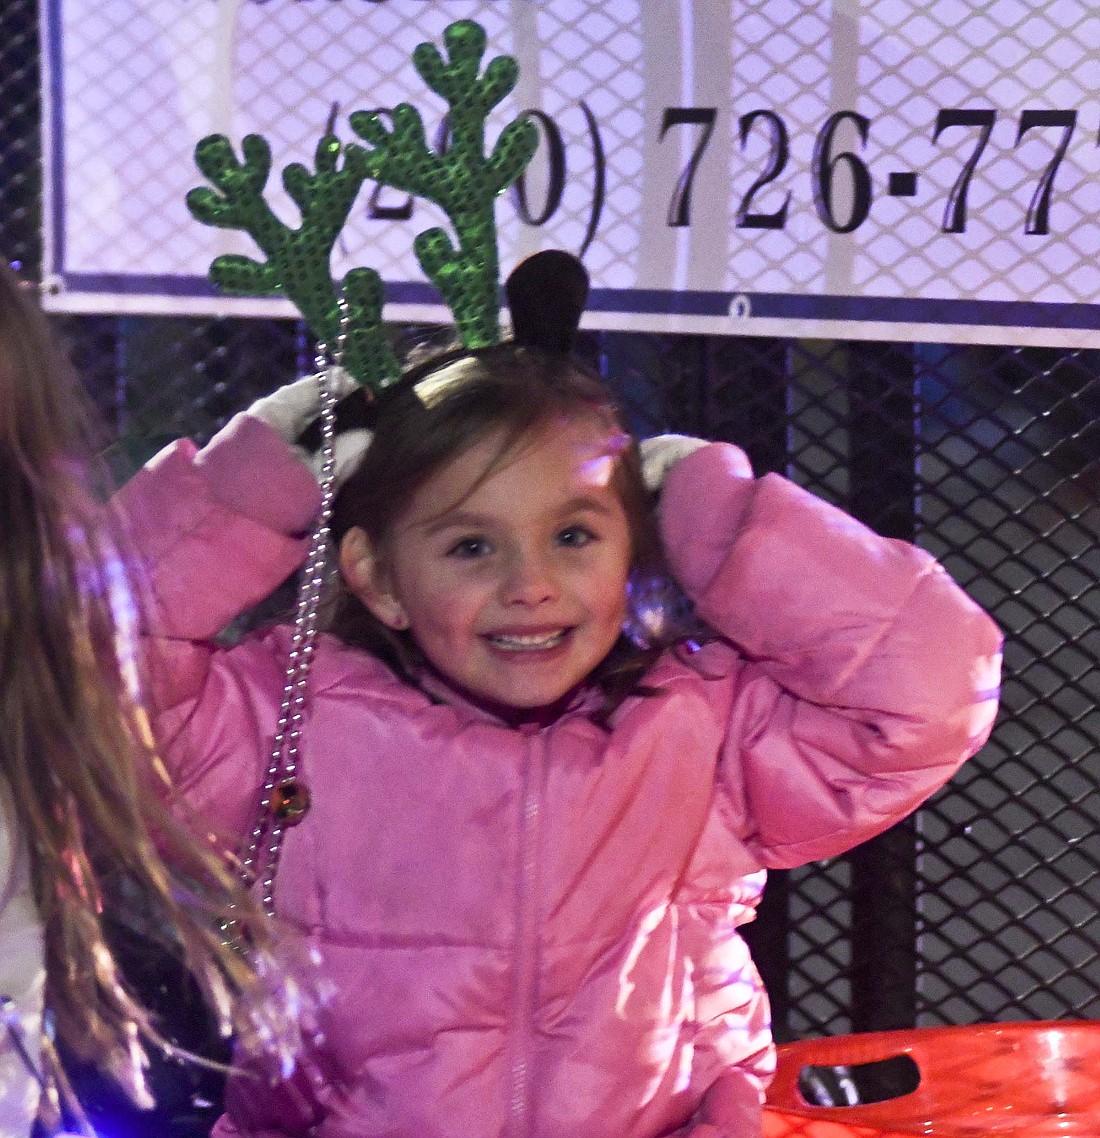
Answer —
534 933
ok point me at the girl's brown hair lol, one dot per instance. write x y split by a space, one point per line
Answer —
438 410
76 751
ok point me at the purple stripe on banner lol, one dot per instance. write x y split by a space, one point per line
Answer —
125 284
659 301
769 305
917 310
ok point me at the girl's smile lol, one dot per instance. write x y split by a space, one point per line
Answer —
512 582
528 642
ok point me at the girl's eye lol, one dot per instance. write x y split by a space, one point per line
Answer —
469 548
575 536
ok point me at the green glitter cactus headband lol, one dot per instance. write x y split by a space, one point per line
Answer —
460 179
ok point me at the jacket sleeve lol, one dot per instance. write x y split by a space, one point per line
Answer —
866 678
210 533
214 531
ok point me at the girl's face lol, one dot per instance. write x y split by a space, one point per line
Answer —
512 584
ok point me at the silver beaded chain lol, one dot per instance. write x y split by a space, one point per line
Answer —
260 861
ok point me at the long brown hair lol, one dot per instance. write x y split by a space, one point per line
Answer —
76 751
443 406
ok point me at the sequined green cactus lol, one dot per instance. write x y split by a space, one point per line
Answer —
460 178
298 260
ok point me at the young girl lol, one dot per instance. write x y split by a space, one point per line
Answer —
531 839
79 793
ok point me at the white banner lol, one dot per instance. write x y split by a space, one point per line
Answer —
887 170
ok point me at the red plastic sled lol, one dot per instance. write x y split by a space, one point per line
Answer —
1027 1080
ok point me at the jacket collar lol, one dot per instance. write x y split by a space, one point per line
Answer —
580 701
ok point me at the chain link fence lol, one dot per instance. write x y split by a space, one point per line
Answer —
986 905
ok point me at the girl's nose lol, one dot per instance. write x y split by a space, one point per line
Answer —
530 581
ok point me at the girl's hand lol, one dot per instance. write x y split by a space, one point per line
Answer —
291 409
732 1108
661 453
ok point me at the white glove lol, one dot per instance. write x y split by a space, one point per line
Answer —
348 450
661 453
291 409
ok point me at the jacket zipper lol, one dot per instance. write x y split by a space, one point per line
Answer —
526 960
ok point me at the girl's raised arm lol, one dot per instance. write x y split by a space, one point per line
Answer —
867 675
214 531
